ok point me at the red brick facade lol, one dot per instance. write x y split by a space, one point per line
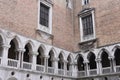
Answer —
21 16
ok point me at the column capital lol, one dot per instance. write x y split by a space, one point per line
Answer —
20 50
6 46
86 62
55 59
111 57
98 60
34 53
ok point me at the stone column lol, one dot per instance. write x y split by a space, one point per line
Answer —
20 57
34 60
86 67
5 54
46 63
99 66
55 64
112 64
65 66
75 69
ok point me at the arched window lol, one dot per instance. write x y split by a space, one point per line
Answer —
61 62
40 58
80 63
117 56
12 54
92 62
27 56
69 63
105 61
50 60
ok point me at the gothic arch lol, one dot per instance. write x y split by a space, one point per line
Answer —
91 58
31 45
101 51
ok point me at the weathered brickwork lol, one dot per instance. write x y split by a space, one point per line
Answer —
21 16
107 21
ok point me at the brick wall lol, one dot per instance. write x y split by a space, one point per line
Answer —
107 21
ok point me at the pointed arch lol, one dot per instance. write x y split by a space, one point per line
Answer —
28 49
80 62
101 51
12 52
31 45
61 61
117 56
91 58
69 62
51 58
40 56
104 59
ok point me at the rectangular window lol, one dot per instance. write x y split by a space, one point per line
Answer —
44 15
85 2
87 24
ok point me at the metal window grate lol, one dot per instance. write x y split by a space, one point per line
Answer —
44 15
87 25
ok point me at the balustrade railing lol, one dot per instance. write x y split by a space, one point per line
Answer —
81 73
61 72
40 68
106 70
117 68
27 65
12 63
68 73
92 72
51 70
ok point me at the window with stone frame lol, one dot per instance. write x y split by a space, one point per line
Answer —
44 15
85 2
45 18
87 25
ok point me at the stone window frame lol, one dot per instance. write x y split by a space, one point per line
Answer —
42 28
87 2
84 13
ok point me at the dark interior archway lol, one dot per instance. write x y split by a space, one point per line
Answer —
50 59
60 62
40 58
117 56
105 61
12 53
80 63
26 56
69 62
92 62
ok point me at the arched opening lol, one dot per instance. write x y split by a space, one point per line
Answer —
61 62
69 63
27 56
105 61
50 59
80 63
12 53
117 57
40 58
92 63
